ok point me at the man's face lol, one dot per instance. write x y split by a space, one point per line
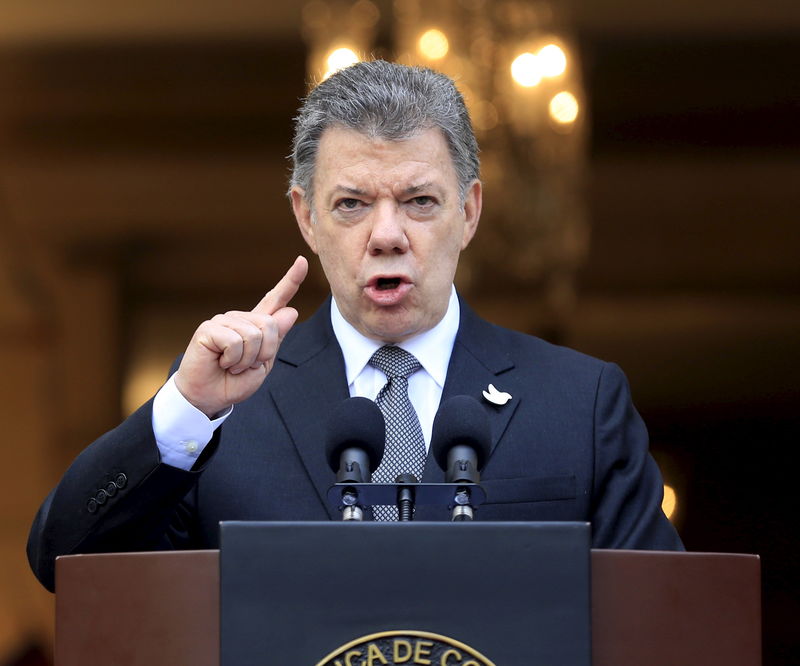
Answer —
388 227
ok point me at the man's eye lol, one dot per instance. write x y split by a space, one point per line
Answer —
423 201
348 204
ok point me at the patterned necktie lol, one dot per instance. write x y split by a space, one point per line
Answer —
405 445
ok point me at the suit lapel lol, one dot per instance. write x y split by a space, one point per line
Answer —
478 359
311 383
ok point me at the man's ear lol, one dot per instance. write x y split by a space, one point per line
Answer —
302 213
473 202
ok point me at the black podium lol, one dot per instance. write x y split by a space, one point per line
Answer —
425 593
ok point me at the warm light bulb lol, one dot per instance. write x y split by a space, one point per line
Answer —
339 59
526 70
552 60
433 44
670 501
564 108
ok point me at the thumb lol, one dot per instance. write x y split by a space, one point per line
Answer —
285 317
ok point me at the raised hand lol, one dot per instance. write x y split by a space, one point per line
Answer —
231 354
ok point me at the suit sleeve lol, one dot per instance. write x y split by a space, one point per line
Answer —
116 496
628 488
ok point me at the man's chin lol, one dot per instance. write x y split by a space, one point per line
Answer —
392 327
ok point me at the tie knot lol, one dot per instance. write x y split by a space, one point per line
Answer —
394 362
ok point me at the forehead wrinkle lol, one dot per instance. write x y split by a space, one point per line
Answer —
362 167
410 190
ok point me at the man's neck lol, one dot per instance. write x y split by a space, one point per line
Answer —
432 347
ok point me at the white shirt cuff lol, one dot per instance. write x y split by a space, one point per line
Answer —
182 431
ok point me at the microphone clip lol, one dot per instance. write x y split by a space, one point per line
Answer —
461 508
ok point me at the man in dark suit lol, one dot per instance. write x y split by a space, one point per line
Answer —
386 192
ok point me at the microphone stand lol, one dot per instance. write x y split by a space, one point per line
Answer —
406 499
354 468
350 507
462 469
462 509
351 498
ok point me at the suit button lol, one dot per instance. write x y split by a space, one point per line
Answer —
111 489
91 506
101 496
120 480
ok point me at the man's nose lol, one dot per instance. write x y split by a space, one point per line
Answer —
388 233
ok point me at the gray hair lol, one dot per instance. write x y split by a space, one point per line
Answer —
387 101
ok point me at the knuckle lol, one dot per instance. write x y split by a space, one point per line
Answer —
259 319
271 326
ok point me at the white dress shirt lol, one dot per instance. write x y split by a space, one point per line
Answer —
431 348
182 431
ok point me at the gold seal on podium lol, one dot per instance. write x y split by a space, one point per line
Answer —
388 648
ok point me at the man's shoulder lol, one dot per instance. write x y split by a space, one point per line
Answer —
525 349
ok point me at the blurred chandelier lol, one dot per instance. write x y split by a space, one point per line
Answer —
519 73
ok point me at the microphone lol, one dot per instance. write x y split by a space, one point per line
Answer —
460 444
356 439
354 446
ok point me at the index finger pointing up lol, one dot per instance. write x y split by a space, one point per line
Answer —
283 292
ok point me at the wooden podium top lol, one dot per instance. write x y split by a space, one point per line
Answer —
648 608
665 609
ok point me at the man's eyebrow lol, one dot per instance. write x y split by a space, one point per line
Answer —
409 191
349 190
415 189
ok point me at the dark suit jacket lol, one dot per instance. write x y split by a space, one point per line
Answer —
568 446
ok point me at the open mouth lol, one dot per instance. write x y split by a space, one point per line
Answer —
388 290
385 283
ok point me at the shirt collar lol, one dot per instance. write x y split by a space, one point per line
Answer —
432 348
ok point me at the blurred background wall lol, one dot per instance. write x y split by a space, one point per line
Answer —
142 172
